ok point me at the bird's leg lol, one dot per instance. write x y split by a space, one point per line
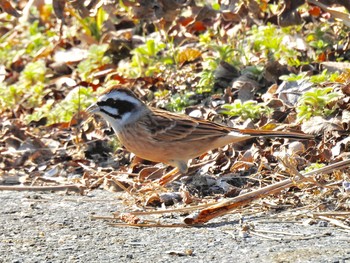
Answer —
180 167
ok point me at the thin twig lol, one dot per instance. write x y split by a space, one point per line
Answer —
71 187
285 239
335 222
147 225
278 233
331 214
176 210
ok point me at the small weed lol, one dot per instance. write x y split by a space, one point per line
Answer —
206 81
179 102
146 60
317 102
266 39
77 99
256 72
294 77
206 77
27 42
320 38
33 72
28 91
95 58
316 79
246 110
268 42
313 166
324 77
161 93
93 26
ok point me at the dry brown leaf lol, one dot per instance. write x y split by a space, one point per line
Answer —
237 11
8 8
345 119
318 125
206 12
58 7
151 173
346 89
188 55
246 88
344 17
79 5
226 71
273 70
129 218
340 147
296 148
170 198
289 15
153 200
240 166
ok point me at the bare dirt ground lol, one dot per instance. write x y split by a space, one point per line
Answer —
56 227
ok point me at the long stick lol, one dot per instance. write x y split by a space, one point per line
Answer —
227 206
72 187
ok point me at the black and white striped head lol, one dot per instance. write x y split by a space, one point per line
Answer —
118 106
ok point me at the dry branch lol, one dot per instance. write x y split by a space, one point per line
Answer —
227 206
71 187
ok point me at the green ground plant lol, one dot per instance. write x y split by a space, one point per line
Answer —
27 42
28 91
319 38
93 25
95 59
179 102
259 43
266 42
146 60
324 76
317 102
313 166
77 99
246 110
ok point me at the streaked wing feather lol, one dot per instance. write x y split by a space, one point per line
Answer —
166 126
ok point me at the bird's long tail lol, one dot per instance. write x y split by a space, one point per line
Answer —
272 134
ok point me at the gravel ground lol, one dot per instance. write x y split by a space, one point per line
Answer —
55 227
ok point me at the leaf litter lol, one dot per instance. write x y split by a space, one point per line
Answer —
260 176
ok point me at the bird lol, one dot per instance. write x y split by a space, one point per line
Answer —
171 138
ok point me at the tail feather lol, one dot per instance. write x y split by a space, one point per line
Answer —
273 134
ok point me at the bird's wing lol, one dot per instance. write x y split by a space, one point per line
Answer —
167 126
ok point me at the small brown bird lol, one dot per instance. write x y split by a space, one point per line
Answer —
171 138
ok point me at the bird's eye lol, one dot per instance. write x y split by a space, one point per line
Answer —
109 103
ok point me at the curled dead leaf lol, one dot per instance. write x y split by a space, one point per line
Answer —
129 218
296 147
153 200
318 125
246 88
188 55
345 119
340 147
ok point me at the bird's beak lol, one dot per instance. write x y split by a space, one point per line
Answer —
93 108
